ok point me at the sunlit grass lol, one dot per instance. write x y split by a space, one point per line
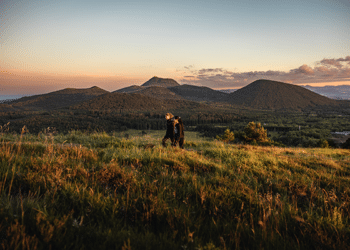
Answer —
102 191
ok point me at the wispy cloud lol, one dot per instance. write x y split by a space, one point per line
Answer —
335 62
326 70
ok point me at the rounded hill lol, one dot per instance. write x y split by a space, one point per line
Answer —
273 95
57 99
160 82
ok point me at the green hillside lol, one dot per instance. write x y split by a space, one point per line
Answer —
160 93
102 191
196 93
134 101
130 89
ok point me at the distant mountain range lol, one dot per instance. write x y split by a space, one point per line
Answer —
169 89
341 92
160 94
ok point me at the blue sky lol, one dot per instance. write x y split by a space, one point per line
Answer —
47 45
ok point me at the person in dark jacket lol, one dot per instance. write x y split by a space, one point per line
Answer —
179 131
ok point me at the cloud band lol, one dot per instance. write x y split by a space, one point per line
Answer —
326 70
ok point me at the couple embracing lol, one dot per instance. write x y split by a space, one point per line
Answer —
174 131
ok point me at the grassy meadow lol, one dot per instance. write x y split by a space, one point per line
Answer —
125 191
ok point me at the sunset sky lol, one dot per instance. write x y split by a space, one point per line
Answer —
49 45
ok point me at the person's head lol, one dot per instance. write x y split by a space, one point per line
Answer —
169 116
178 119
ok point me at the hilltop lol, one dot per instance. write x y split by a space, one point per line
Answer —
273 95
160 82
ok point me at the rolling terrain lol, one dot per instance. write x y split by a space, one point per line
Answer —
167 93
164 90
144 108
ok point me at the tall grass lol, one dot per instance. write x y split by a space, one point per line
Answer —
103 191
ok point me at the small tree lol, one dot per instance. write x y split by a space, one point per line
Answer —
323 144
255 133
227 137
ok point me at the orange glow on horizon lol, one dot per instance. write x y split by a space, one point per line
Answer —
319 84
26 82
141 78
322 84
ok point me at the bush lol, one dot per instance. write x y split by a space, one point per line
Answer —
323 144
227 137
255 133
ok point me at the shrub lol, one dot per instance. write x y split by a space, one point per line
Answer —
323 144
255 133
227 137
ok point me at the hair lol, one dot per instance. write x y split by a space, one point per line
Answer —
168 116
178 120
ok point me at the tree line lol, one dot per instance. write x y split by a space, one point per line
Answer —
290 129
